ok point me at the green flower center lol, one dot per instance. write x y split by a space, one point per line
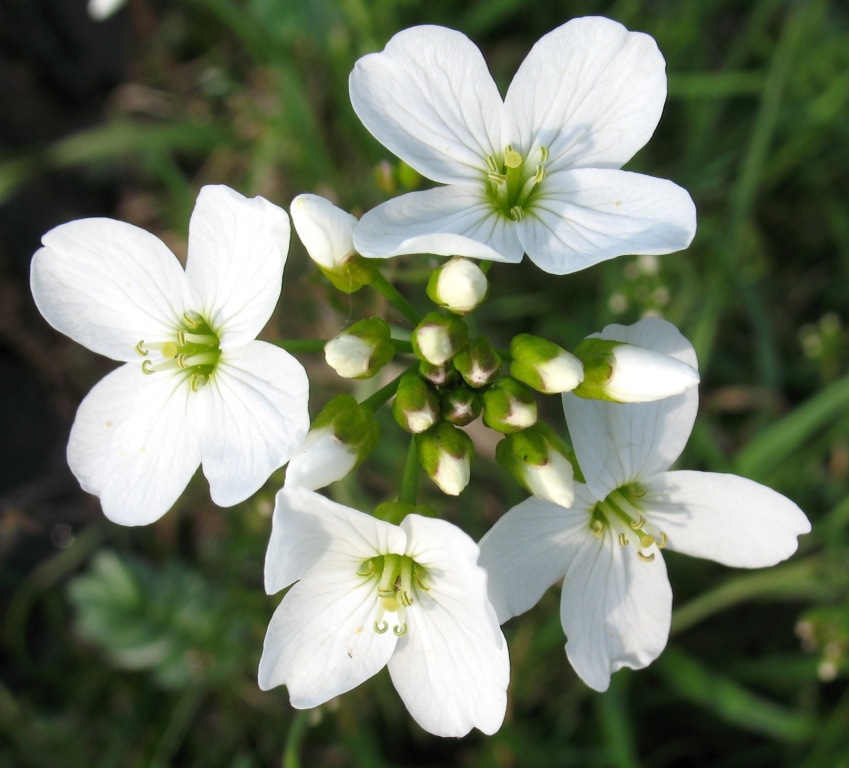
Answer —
398 578
512 182
194 350
620 512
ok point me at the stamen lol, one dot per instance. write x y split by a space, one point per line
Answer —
543 154
638 523
205 358
199 380
517 213
140 348
597 527
663 540
644 557
193 319
491 164
623 539
401 630
381 627
205 339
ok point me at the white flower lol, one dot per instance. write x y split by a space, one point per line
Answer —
322 460
616 602
370 594
195 388
537 172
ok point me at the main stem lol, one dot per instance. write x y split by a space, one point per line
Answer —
410 479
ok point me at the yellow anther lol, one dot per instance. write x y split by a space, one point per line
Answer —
597 527
623 539
517 213
638 523
491 164
398 631
141 349
381 627
147 367
644 557
540 174
543 154
198 381
662 543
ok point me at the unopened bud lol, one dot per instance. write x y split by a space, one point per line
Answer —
342 435
544 365
539 460
416 404
446 454
459 286
361 350
438 375
509 406
460 405
327 233
479 364
625 373
437 338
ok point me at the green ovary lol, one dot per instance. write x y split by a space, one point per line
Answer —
194 350
512 182
398 579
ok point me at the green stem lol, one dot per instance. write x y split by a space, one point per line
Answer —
402 347
375 400
382 285
301 345
294 739
410 479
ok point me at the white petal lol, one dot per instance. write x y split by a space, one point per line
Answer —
619 443
583 217
310 533
642 375
108 285
530 548
590 91
726 518
429 99
237 251
322 460
321 640
451 668
133 444
615 609
325 230
446 221
252 418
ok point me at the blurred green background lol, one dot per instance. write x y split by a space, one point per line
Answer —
139 647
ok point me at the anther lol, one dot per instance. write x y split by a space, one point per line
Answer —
141 349
491 164
663 540
193 319
623 539
381 627
644 557
198 380
638 523
597 527
540 174
147 367
517 213
398 631
543 154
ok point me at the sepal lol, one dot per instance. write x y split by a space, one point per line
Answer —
445 453
361 350
543 365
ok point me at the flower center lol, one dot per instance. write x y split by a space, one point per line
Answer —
398 577
194 349
620 512
512 182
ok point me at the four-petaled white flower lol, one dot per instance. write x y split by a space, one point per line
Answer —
371 594
537 172
196 387
616 601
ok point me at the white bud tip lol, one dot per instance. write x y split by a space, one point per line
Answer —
435 344
322 460
643 375
348 355
462 285
326 231
561 374
452 474
553 481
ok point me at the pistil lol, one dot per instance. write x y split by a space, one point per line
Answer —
621 512
194 349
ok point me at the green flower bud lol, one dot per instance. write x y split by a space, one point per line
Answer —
540 461
460 405
544 365
625 373
459 286
341 437
509 406
416 404
438 375
437 338
445 453
361 350
479 364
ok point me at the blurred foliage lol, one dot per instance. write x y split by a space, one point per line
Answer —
138 648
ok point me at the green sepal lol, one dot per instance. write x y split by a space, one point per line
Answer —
416 404
350 423
353 273
479 364
597 357
460 405
509 406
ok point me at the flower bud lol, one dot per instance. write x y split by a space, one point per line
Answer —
361 350
509 406
459 286
327 233
438 375
625 373
539 460
446 454
342 435
437 338
460 405
544 365
479 364
416 404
